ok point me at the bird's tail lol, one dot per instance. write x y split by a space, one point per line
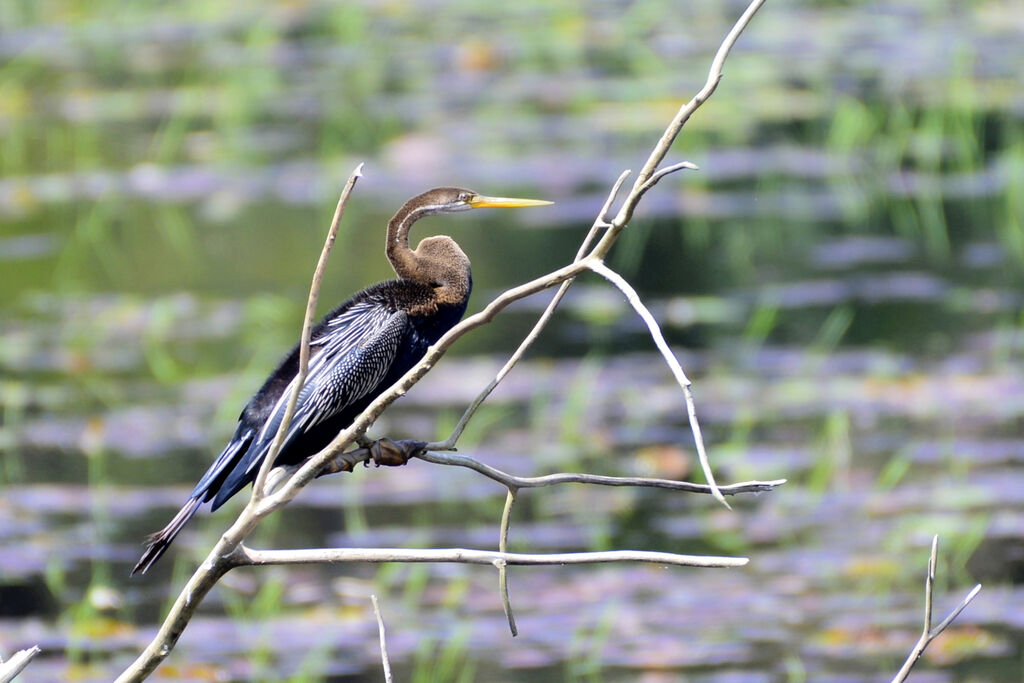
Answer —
161 540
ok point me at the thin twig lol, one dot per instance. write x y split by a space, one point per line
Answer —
304 339
928 633
684 382
600 223
245 556
640 186
10 669
214 567
602 220
224 554
656 178
308 471
512 481
506 515
383 640
672 132
311 467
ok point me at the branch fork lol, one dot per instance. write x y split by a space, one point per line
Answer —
230 552
929 633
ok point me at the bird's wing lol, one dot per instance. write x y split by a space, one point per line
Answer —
353 355
238 445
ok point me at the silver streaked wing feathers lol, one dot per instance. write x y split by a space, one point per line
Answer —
352 357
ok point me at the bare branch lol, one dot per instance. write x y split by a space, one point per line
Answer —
506 515
929 634
215 565
244 556
684 382
929 585
308 471
600 223
656 178
956 612
202 580
304 339
672 132
383 640
228 549
10 669
511 481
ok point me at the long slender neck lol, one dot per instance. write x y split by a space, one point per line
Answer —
437 262
403 259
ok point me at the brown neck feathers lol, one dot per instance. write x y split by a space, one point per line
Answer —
437 261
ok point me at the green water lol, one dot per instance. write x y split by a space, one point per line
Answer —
841 279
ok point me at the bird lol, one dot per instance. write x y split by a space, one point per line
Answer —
357 351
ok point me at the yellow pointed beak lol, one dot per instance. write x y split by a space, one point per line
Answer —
479 201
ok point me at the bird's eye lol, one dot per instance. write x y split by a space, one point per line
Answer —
463 196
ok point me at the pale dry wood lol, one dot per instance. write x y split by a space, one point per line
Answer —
928 633
603 270
304 339
383 640
244 556
512 481
225 553
506 603
600 223
10 669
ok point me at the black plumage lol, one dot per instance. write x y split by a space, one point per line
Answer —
357 351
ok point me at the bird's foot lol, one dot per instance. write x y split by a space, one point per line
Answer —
394 453
381 452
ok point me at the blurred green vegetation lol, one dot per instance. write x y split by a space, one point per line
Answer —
853 246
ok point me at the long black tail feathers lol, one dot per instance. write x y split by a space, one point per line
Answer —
161 540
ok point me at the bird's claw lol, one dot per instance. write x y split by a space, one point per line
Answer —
381 452
394 453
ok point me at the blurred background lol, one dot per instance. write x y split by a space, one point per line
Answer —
841 279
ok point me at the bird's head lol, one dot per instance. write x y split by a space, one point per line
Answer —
439 261
453 199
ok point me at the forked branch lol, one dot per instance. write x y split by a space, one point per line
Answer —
229 551
929 634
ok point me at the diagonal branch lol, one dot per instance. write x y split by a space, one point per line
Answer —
10 669
600 223
677 371
304 339
262 503
929 634
647 179
673 130
668 170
